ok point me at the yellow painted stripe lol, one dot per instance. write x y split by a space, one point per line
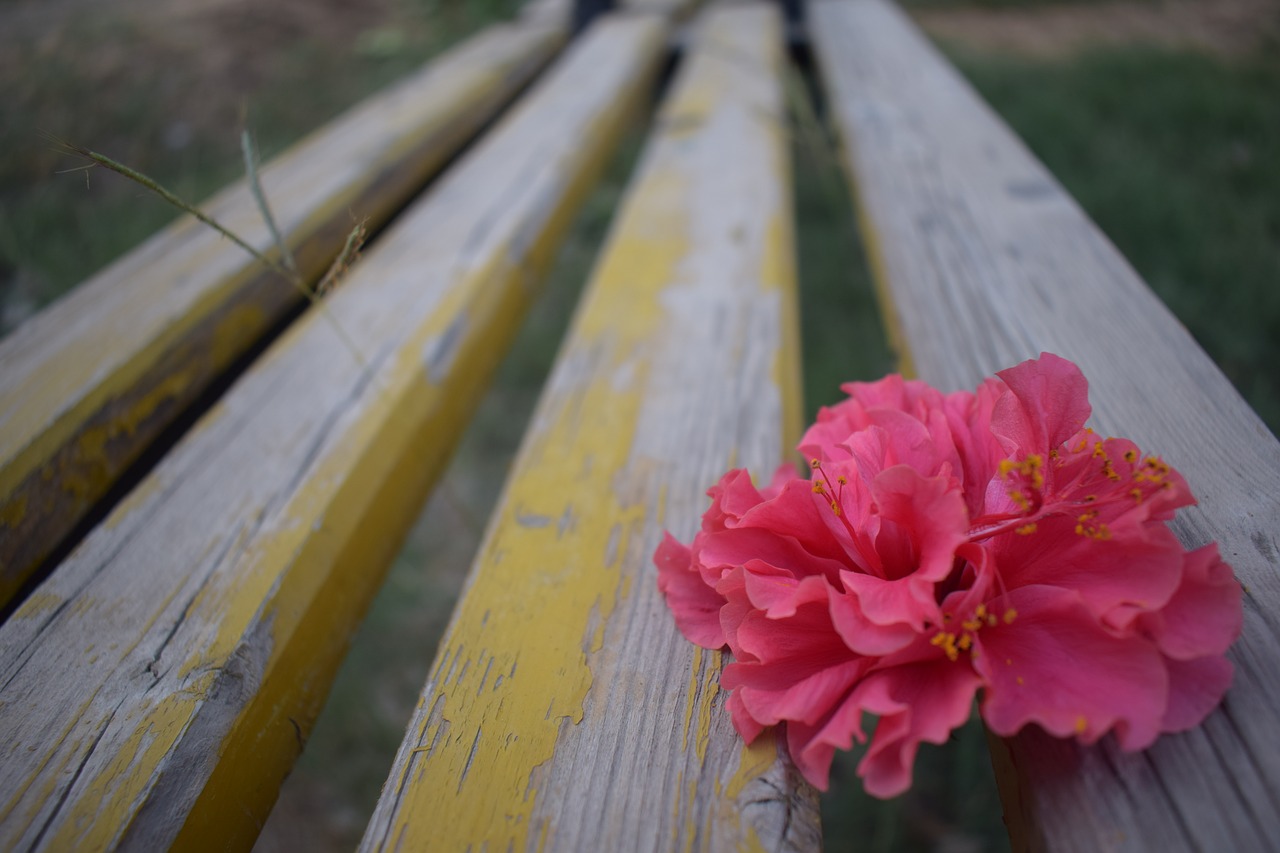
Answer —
90 382
677 362
164 676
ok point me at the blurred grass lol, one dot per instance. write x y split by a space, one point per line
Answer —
112 83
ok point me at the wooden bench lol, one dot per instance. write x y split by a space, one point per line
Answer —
158 685
90 383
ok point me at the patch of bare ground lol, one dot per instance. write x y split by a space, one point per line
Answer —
1227 28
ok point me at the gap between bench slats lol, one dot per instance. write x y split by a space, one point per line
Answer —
89 383
564 711
156 689
984 261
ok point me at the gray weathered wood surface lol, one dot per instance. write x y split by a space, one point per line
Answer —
985 261
564 711
155 690
88 384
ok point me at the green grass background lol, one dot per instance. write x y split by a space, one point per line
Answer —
1174 154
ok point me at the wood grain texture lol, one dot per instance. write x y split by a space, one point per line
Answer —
564 711
155 690
88 384
985 261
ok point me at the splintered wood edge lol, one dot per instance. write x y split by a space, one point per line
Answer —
985 261
563 710
158 686
92 381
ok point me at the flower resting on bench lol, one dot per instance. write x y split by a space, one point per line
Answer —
946 544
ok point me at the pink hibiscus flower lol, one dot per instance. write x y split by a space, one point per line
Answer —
951 547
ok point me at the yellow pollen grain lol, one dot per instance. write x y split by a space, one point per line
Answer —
1026 529
1081 725
1010 615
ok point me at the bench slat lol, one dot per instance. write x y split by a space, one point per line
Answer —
157 687
564 711
89 383
985 261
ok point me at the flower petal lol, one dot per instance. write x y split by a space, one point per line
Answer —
1204 616
1195 688
1056 666
695 605
1047 404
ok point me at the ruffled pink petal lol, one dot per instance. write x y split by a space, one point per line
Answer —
969 420
1141 569
930 523
777 593
922 523
736 608
1056 666
746 725
812 758
695 605
805 635
1195 689
728 548
1204 616
794 668
1048 403
790 690
736 494
921 702
862 635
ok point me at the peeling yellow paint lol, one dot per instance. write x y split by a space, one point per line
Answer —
706 704
38 604
756 759
780 276
549 593
129 773
694 669
13 512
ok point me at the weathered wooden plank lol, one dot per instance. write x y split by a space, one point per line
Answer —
155 690
88 384
985 260
563 710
